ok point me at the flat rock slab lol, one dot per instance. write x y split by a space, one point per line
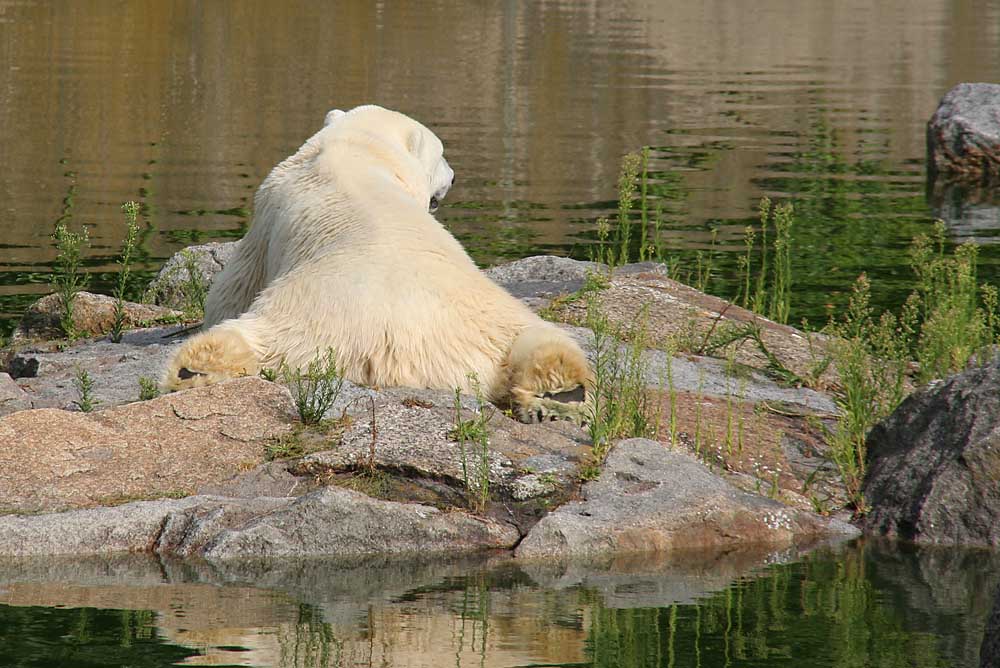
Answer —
329 522
409 430
652 499
54 459
45 374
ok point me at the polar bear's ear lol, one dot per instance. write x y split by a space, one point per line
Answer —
415 142
333 115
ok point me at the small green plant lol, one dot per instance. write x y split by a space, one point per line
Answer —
131 210
474 431
84 385
620 406
269 374
69 279
316 388
772 295
148 389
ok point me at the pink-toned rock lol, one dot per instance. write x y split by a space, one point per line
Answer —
54 459
93 315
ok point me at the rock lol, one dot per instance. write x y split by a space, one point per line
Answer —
93 315
329 522
963 135
933 466
542 277
641 300
652 499
172 445
46 373
411 432
12 397
340 522
172 285
133 527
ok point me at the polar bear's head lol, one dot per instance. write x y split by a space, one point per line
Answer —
427 174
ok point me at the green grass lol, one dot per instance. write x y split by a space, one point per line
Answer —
131 211
316 388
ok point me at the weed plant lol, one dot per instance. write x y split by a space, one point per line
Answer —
131 211
620 404
474 431
69 279
316 388
84 385
148 388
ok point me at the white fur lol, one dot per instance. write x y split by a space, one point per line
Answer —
343 254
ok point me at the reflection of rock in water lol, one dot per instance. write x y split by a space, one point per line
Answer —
970 214
989 653
482 610
945 591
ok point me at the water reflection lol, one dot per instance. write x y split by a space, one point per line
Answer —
186 106
872 604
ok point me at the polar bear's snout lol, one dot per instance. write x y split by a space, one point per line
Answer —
441 182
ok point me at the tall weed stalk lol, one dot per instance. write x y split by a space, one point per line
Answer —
131 211
69 279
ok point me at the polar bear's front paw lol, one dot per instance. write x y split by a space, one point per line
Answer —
208 358
563 405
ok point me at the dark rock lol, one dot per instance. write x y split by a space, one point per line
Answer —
933 466
963 135
652 499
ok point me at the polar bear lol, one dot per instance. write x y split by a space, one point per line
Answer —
344 255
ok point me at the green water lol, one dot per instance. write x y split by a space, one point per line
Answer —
864 605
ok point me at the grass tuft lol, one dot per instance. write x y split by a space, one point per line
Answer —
474 431
316 388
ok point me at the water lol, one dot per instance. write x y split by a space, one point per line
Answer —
185 107
863 605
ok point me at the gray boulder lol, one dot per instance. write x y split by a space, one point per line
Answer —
172 286
963 135
652 499
933 467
